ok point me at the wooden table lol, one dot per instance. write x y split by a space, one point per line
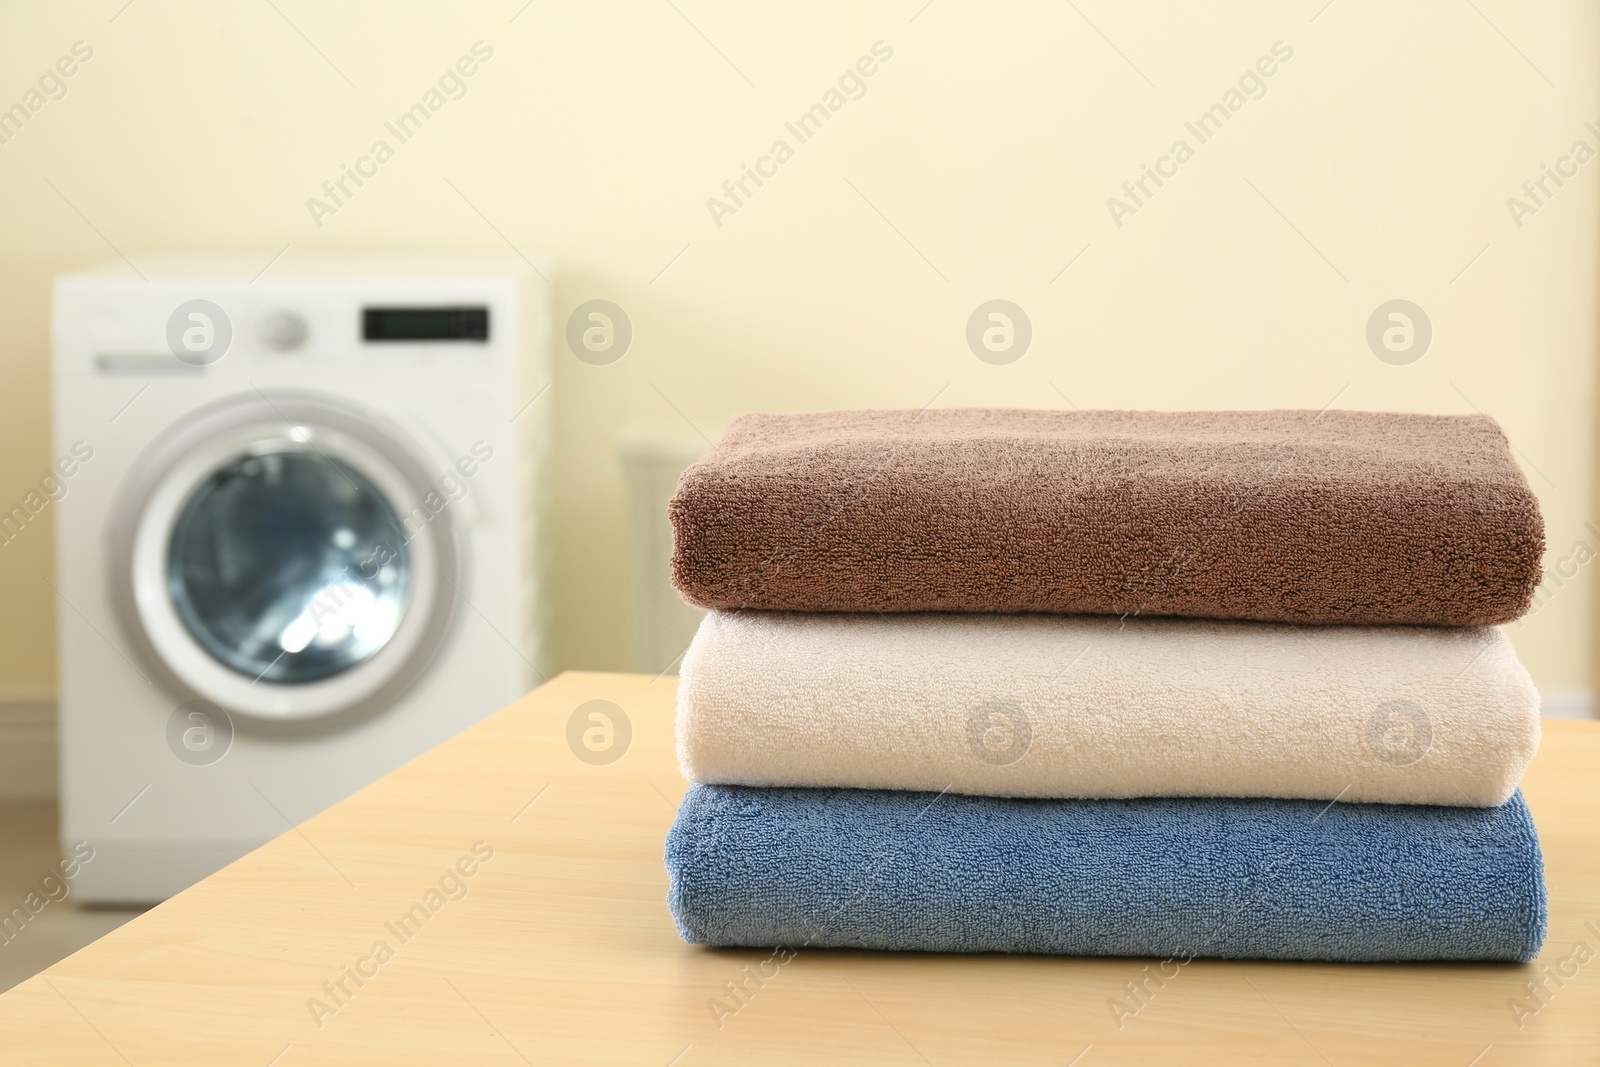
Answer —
559 947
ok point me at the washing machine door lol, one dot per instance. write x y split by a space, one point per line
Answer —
285 556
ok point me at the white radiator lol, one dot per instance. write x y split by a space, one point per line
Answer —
652 458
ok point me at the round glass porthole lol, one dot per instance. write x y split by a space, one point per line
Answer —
288 566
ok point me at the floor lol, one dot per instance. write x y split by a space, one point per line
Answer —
29 852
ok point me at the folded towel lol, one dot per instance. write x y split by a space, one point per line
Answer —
1294 516
1087 706
1270 879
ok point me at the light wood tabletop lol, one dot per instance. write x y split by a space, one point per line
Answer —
501 900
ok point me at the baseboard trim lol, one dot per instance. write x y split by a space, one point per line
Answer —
29 743
1578 704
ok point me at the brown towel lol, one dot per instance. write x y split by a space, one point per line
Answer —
1293 516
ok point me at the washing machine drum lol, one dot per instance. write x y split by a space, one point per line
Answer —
285 556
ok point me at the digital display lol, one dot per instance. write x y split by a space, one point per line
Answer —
425 324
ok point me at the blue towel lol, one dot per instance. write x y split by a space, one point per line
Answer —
1248 879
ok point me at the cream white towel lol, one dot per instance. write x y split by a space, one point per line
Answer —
1090 706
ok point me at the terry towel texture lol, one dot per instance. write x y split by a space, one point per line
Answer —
1270 879
1295 516
1085 706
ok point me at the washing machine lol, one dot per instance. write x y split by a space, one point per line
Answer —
298 539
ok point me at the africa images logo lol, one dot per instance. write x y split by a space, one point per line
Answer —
450 85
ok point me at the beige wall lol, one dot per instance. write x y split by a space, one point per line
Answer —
977 164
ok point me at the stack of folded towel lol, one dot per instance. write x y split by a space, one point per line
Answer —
1199 684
